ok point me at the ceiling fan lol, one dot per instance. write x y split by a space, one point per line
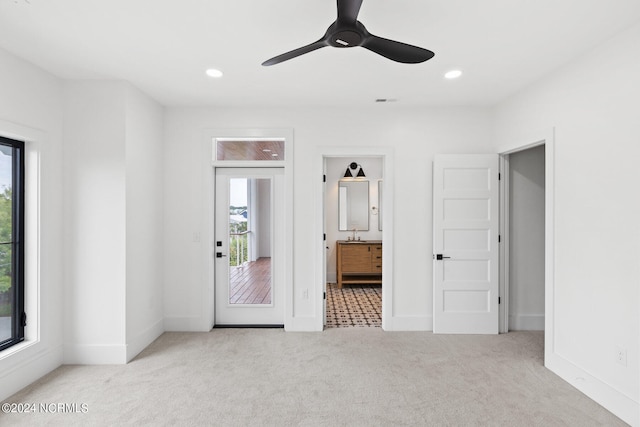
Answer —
347 31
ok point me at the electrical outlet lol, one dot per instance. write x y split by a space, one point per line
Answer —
621 356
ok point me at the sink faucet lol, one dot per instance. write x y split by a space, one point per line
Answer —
355 234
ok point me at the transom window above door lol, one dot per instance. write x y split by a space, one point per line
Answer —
233 149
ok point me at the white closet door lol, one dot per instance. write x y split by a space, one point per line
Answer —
466 251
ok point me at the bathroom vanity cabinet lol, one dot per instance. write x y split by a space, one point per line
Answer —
359 262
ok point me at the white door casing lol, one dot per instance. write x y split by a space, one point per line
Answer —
324 243
465 237
249 314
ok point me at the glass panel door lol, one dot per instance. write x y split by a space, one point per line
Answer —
249 249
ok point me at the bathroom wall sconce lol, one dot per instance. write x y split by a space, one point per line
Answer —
353 166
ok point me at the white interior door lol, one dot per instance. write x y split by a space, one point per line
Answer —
465 242
249 246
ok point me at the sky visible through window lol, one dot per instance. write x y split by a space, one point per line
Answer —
238 192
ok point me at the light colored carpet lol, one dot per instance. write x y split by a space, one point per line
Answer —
340 377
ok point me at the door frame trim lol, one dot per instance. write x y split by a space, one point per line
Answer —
546 138
387 156
209 164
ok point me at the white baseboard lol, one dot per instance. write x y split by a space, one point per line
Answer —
302 324
184 324
526 322
16 376
611 399
143 339
95 354
408 323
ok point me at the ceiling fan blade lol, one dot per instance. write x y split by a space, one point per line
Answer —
296 52
397 51
348 10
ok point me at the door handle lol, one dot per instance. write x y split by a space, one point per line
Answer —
440 257
220 255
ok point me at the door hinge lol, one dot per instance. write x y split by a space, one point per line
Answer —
324 296
499 238
324 237
499 176
324 178
23 320
499 300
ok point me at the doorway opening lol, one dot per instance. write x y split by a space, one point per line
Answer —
353 241
524 246
251 154
545 138
249 246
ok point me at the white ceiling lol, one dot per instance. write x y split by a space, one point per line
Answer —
164 47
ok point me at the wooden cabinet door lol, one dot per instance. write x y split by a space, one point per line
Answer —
356 258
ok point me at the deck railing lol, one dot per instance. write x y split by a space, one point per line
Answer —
238 248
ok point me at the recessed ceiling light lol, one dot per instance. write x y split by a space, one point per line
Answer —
212 72
453 74
274 155
266 150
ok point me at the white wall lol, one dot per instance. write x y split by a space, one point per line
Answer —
263 234
415 135
31 109
526 235
593 104
113 217
95 222
335 169
144 220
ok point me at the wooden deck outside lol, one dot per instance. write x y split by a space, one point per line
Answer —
250 283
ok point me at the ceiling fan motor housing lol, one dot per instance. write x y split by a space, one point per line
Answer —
346 35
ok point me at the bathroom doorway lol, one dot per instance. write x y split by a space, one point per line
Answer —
353 241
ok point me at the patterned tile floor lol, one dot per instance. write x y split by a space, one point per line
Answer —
354 306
